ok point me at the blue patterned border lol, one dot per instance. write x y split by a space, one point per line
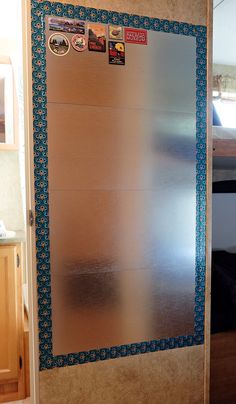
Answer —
41 8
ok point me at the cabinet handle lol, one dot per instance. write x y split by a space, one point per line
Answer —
31 218
17 260
20 362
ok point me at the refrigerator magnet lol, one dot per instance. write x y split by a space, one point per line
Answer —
116 32
59 44
136 36
71 26
96 37
79 42
116 53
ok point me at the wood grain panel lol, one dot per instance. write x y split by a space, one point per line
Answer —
9 354
26 355
224 148
223 368
12 385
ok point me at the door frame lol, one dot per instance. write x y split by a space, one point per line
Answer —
30 231
31 249
208 205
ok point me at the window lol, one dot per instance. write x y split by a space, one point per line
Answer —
226 109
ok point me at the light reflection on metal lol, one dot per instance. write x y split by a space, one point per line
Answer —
122 194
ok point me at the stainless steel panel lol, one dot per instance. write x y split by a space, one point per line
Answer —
122 194
153 76
118 148
96 309
97 231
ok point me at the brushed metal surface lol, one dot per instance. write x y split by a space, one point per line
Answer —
157 76
122 148
122 194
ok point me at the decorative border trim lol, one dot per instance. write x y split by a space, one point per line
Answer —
40 9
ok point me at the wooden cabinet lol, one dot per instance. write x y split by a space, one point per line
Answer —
9 350
11 324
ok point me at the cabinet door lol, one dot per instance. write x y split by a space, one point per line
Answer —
9 341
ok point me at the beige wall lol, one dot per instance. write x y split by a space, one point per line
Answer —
168 377
192 11
163 377
11 162
11 207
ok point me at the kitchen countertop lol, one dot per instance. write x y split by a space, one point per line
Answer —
18 238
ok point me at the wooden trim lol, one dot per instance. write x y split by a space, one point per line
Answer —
29 175
223 367
208 208
26 351
224 148
21 380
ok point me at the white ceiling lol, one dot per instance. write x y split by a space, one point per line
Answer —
224 32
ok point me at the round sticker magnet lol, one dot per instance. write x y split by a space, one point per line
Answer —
59 44
79 42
